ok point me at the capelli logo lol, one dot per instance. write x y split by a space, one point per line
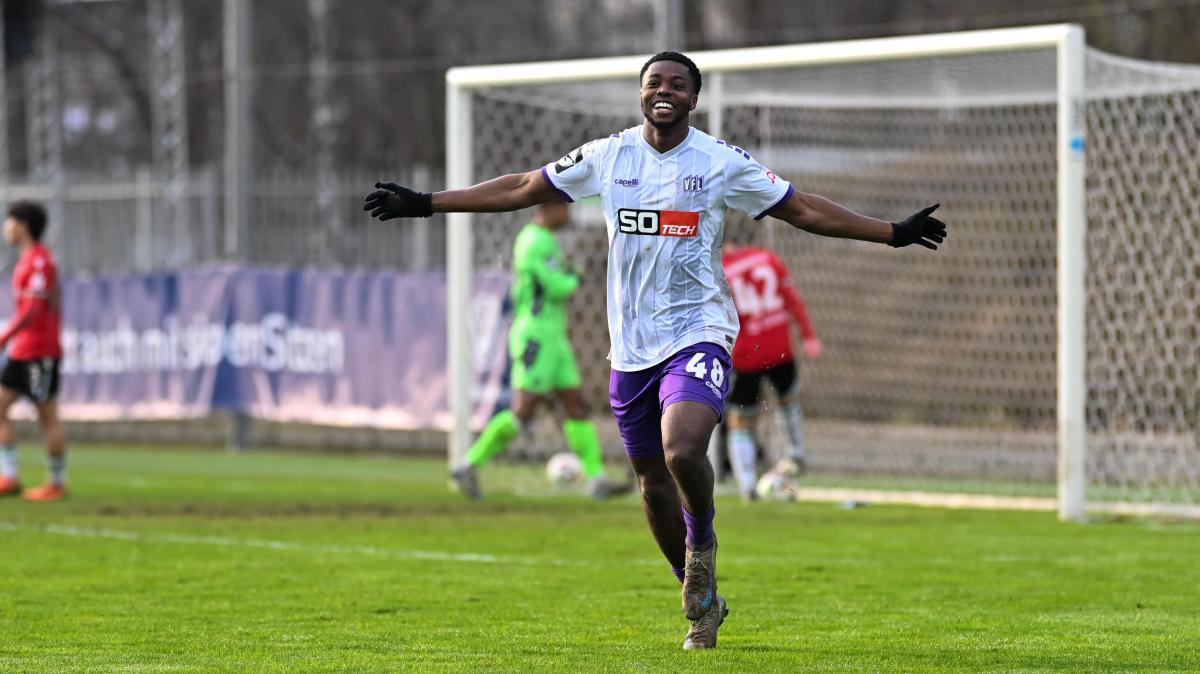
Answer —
624 182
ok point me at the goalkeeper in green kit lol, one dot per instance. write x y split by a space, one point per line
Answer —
543 364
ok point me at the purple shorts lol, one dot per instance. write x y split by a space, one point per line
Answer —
699 373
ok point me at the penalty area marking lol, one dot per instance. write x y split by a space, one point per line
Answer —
267 544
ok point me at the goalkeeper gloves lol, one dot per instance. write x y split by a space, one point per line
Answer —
919 228
393 201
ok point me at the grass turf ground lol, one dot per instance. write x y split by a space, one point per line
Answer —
172 560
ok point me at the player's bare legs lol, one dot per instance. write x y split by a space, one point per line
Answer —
10 482
56 454
574 406
686 428
52 430
663 508
524 404
664 513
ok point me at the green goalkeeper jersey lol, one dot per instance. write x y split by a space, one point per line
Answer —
541 285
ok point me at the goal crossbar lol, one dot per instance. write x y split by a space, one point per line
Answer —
783 56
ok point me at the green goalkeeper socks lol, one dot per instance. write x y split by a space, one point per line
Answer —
501 430
582 439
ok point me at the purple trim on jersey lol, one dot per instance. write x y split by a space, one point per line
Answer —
564 195
786 195
640 398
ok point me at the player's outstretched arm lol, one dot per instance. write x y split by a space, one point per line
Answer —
819 215
506 193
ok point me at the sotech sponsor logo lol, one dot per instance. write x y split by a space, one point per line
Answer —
683 224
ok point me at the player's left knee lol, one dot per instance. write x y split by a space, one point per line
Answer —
685 454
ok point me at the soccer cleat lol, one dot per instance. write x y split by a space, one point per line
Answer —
9 486
46 492
466 482
792 466
699 581
703 632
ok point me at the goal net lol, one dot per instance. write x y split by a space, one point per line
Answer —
944 373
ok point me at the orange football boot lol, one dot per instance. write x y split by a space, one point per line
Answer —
9 486
46 492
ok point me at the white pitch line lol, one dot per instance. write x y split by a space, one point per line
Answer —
267 544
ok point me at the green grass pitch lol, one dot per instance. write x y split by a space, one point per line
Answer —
175 560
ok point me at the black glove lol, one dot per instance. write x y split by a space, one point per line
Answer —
919 228
393 201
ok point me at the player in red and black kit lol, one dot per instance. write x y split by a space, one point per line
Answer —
766 302
34 352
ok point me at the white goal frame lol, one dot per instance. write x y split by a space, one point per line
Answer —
1068 42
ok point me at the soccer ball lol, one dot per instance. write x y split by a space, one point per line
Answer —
563 469
773 486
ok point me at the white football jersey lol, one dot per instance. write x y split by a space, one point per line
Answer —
665 214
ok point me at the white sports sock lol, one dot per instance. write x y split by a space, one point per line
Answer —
8 462
714 452
57 466
742 459
790 419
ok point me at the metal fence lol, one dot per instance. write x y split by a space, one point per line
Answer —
107 227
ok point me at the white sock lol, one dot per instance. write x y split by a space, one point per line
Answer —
8 462
714 452
742 459
57 466
790 419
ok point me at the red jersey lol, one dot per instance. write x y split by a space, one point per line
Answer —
765 299
37 321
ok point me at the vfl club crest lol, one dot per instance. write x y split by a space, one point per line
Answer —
693 183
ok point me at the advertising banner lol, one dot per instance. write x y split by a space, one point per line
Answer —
335 348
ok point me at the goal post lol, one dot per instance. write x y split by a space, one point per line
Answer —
1014 383
1072 270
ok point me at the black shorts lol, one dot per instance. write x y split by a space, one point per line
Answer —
744 391
34 379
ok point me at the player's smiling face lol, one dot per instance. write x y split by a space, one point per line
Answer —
667 94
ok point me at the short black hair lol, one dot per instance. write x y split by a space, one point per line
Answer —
678 58
32 214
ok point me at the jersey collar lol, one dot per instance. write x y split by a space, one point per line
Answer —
669 153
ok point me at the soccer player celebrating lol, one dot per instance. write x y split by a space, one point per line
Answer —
542 360
34 351
765 299
664 188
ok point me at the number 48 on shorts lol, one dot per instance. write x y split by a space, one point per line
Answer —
712 375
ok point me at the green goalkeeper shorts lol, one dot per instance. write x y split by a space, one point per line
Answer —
543 366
